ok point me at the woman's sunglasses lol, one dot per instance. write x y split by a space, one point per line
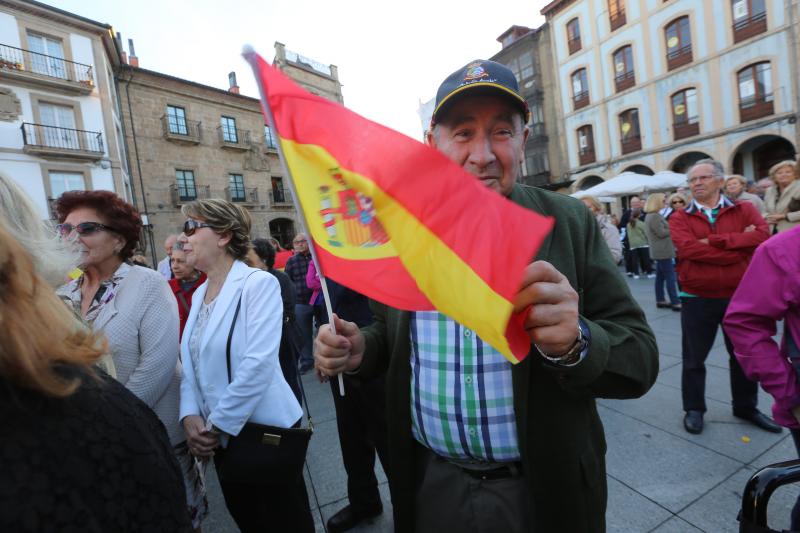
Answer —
676 202
190 226
84 228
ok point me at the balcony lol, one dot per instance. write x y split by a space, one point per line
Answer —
181 131
248 195
574 44
281 197
680 57
52 141
233 139
633 143
182 195
538 133
586 156
746 28
756 107
624 81
687 128
53 72
580 100
617 20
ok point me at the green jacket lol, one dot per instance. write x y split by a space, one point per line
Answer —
560 433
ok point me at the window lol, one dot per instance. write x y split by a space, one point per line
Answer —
278 194
57 128
616 13
749 18
522 66
684 114
176 120
228 126
269 138
187 190
755 91
537 163
679 43
573 35
629 131
236 188
580 89
61 182
623 68
585 145
48 56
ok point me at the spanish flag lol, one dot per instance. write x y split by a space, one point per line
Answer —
397 221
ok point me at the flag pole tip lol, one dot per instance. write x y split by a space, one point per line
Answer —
248 50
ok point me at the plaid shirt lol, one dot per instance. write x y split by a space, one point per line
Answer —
297 268
462 402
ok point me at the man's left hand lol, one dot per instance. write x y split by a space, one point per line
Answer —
552 319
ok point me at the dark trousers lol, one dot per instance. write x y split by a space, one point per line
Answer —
665 275
640 257
276 507
361 420
700 318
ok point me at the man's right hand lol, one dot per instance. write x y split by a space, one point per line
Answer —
334 354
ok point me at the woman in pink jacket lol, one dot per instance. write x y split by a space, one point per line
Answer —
770 292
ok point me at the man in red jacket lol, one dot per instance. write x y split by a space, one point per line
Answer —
714 238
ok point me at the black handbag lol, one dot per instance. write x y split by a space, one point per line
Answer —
261 454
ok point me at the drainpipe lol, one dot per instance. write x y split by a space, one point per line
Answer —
793 18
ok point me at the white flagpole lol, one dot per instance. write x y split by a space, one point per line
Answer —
249 54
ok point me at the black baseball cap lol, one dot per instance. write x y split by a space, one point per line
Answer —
479 75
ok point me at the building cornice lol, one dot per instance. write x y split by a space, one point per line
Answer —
555 6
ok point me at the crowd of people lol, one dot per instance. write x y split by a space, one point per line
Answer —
146 376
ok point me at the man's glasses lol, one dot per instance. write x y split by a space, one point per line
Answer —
84 228
190 226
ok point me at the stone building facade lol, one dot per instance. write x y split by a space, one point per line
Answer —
190 141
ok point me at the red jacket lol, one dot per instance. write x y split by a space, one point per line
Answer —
714 270
184 298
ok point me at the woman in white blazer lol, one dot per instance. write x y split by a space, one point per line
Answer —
216 237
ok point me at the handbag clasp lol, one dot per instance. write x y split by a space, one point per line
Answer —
271 439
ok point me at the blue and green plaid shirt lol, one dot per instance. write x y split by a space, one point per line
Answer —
462 402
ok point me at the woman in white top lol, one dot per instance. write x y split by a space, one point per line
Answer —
213 410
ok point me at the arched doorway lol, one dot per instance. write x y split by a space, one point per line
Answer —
588 181
283 230
755 156
684 161
640 169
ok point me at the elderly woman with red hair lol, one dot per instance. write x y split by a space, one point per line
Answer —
135 309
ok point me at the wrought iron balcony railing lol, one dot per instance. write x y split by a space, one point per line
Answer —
26 62
247 195
233 138
750 26
687 128
44 139
181 130
756 107
678 58
281 196
180 194
625 80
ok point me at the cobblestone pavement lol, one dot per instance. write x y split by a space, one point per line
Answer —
660 478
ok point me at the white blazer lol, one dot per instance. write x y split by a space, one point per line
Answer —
258 391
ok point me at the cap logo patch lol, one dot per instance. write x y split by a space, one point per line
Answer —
475 71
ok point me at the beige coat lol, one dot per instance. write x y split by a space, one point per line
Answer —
788 203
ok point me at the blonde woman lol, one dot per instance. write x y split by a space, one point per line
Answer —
736 189
78 451
608 229
783 198
662 251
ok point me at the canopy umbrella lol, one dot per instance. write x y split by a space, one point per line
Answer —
629 183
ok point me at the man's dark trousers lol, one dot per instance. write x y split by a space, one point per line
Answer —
700 318
361 420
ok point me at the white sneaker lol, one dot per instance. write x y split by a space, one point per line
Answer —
635 276
651 276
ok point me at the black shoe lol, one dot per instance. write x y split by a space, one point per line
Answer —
693 422
348 518
662 305
676 307
761 420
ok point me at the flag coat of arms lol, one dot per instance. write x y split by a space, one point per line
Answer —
395 220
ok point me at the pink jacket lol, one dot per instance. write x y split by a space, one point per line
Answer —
312 282
769 292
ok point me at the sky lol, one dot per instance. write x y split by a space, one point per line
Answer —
390 55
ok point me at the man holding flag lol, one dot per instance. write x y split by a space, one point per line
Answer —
476 443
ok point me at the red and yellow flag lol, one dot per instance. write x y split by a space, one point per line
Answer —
397 221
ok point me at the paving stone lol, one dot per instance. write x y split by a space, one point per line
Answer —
666 469
630 511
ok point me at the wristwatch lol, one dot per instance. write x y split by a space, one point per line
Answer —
575 353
